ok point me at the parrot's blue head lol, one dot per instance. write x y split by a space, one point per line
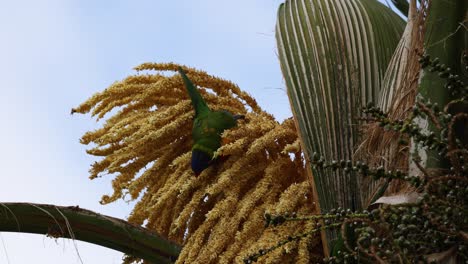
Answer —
200 161
237 117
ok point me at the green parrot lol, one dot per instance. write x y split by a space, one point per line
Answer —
207 128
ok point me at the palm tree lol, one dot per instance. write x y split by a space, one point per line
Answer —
336 56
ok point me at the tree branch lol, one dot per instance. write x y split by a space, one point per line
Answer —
80 224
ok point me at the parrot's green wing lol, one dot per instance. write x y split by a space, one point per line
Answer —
207 127
198 102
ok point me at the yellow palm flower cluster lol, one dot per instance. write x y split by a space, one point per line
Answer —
218 217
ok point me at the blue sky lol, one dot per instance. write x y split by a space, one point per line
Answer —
54 54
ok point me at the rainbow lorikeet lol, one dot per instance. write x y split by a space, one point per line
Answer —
207 128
